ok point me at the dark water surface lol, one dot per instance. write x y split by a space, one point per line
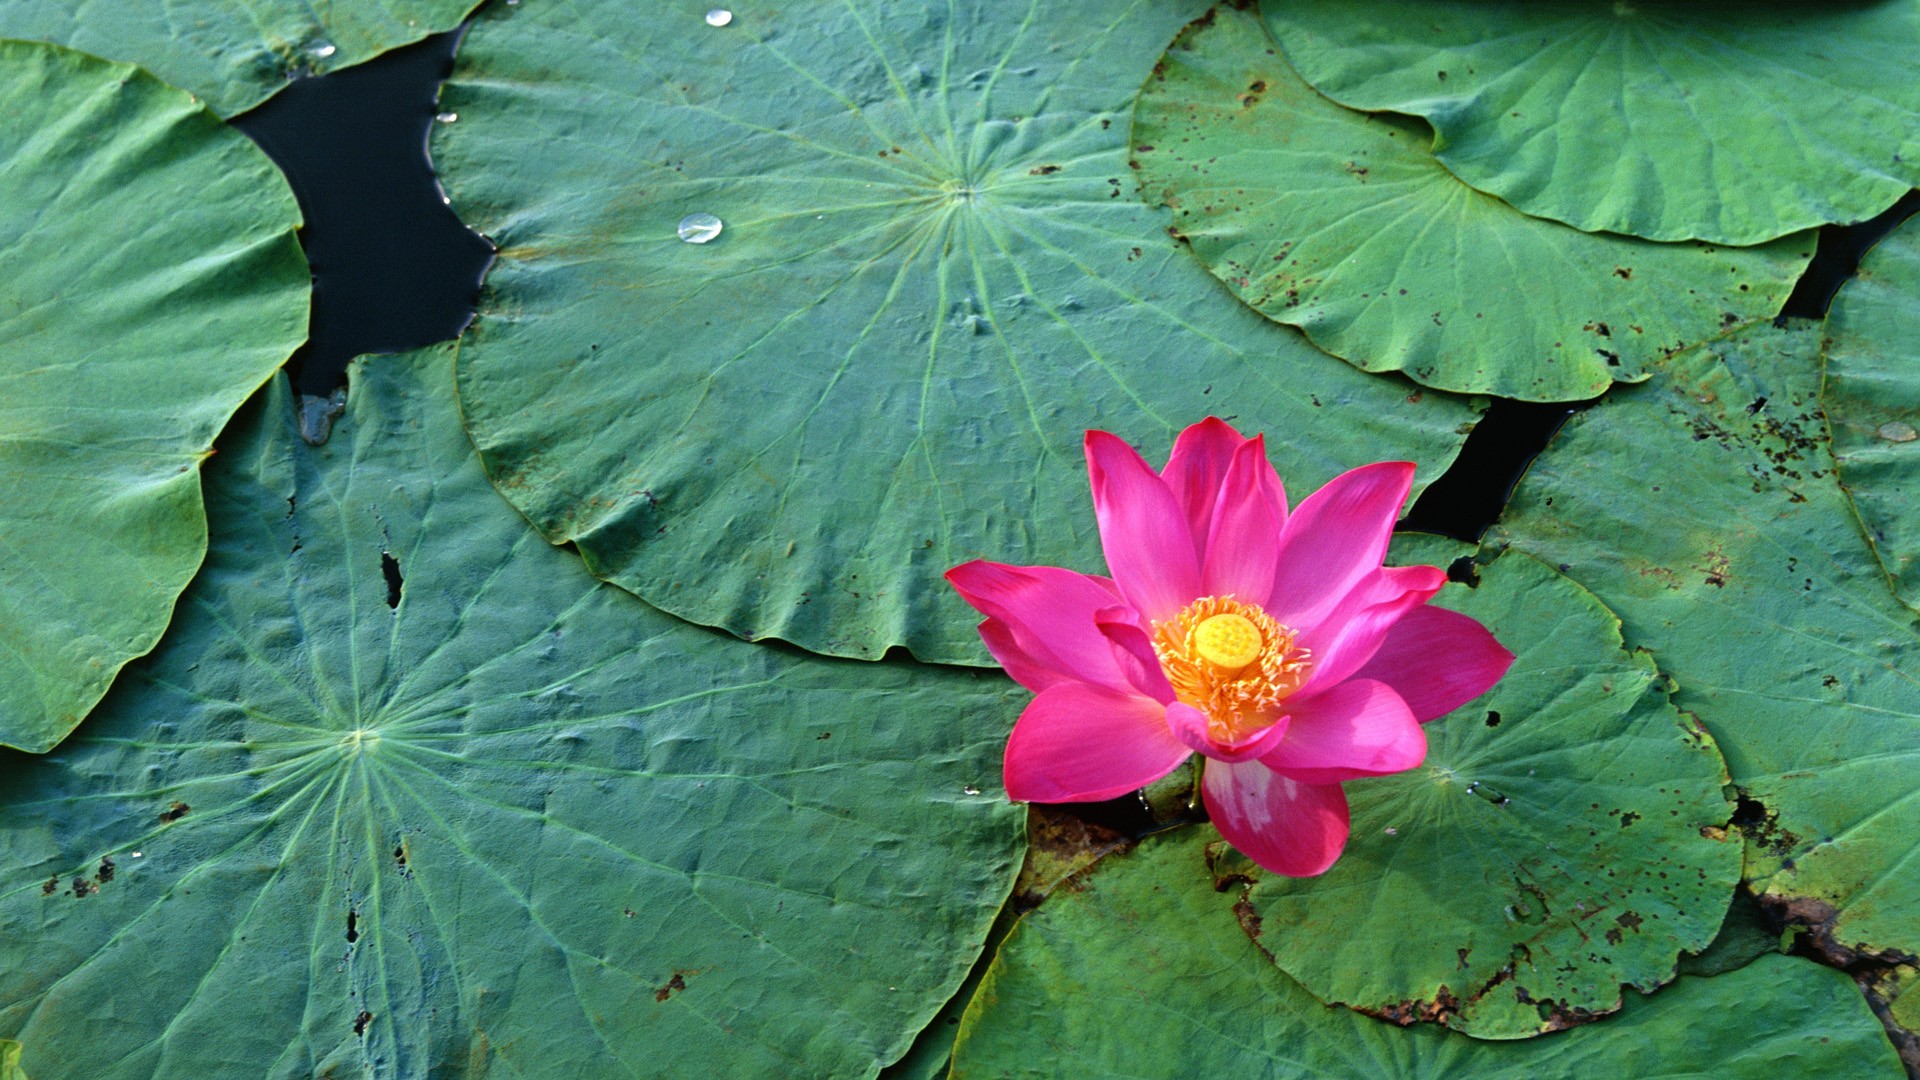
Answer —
393 268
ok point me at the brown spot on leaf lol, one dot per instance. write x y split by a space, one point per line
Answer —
1249 918
678 982
175 812
1407 1013
1059 846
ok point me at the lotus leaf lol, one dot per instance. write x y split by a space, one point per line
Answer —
406 792
1345 225
1566 836
150 280
1145 972
1703 509
1708 119
929 275
1872 400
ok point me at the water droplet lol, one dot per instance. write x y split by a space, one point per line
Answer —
699 228
971 790
1391 831
447 117
324 51
136 854
1898 431
719 17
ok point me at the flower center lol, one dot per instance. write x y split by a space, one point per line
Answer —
1228 640
1233 662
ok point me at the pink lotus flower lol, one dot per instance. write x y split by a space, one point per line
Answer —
1275 644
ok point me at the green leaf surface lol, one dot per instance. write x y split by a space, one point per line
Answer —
1566 836
232 54
1745 936
406 792
10 1061
1059 845
1412 548
1904 1009
1703 509
1145 973
1872 400
1345 225
1722 121
932 278
150 280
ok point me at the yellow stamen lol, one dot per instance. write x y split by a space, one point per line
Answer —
1228 640
1233 662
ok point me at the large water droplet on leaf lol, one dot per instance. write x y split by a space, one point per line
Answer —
699 228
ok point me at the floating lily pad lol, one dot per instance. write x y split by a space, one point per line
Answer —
1566 837
930 276
1344 225
233 54
1143 972
1640 117
1872 399
150 280
406 792
1703 509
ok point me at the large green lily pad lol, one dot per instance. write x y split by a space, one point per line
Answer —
932 277
1344 225
233 54
1639 116
1144 973
1566 836
1703 509
1872 400
406 792
150 280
